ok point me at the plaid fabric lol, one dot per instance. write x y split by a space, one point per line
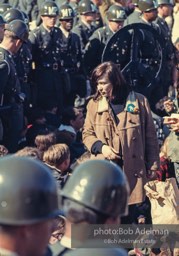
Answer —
166 170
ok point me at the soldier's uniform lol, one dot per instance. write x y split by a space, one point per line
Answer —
100 37
95 47
71 58
10 90
46 57
23 63
23 57
169 51
134 16
84 30
150 57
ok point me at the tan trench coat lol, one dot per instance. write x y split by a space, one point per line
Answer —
138 141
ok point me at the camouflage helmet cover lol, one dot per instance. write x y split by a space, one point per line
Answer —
28 192
49 8
66 12
99 185
116 13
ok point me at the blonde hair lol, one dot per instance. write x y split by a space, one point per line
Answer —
56 154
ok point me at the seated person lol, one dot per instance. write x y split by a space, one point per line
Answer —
72 122
37 125
57 157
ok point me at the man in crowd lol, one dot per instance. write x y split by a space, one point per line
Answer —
71 56
16 32
97 42
47 66
84 28
165 8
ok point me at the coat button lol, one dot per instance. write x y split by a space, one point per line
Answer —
133 138
136 175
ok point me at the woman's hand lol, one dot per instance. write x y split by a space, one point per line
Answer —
110 153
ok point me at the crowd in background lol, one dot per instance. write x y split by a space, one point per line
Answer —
50 69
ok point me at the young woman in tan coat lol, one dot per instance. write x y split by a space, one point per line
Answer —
119 127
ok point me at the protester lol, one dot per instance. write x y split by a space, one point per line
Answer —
119 121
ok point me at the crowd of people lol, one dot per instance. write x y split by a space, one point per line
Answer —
82 100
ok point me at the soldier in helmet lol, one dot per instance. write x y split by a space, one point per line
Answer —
165 8
71 56
16 32
148 9
23 57
29 205
96 193
134 17
84 28
47 65
97 42
98 22
150 49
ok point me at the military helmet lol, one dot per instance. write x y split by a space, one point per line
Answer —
135 2
2 21
28 192
49 8
86 6
147 5
66 12
99 185
165 2
116 13
13 14
19 28
4 8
